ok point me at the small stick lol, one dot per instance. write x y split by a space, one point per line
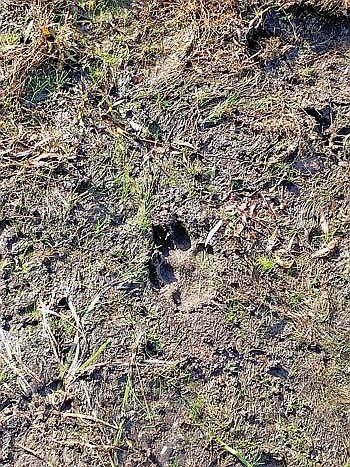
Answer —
84 417
72 442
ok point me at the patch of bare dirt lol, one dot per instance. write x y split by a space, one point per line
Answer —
174 220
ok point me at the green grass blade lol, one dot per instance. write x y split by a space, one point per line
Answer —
118 437
95 356
234 452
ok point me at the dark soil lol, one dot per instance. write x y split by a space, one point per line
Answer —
174 234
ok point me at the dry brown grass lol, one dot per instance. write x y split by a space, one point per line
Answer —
333 6
48 35
20 59
51 34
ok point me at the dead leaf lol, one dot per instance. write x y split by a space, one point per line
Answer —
238 230
213 232
285 264
272 240
135 126
45 31
323 222
291 241
185 144
326 251
28 32
252 209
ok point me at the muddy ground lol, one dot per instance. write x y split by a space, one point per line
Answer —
174 233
